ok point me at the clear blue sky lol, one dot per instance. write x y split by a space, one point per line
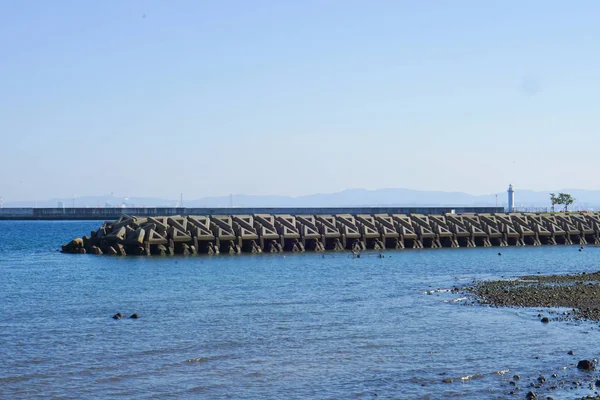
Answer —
154 98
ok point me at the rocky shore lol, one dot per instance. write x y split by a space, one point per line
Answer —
566 297
580 293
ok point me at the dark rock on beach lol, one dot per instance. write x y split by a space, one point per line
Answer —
531 395
585 365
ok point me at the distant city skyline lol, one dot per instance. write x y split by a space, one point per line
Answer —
291 98
524 199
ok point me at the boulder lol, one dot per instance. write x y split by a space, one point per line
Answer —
531 395
117 316
585 365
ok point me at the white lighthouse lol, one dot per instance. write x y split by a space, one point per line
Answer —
511 198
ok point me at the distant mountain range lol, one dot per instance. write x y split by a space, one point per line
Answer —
586 199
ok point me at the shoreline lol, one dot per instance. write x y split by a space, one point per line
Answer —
577 298
578 292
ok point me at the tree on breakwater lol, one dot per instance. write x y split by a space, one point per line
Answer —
564 199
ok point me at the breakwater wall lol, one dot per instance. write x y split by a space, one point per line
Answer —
115 213
256 233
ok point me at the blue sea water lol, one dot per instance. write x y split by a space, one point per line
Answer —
274 326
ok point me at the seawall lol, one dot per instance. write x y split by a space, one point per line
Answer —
115 213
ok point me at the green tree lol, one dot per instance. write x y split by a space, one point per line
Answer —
565 199
554 200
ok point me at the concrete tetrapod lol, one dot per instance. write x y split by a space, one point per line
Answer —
234 234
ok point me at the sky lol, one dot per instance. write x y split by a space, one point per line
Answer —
208 98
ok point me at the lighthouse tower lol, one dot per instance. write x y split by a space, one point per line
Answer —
511 199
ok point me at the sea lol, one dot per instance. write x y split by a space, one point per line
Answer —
278 326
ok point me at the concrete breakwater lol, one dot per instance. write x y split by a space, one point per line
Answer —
105 214
276 233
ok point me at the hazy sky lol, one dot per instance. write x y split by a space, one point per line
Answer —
154 98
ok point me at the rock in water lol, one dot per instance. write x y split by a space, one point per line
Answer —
118 316
134 316
585 365
74 247
545 320
96 250
531 395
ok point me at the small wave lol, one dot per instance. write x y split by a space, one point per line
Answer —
455 300
436 291
158 351
374 346
501 372
22 378
197 389
122 377
198 360
466 378
353 299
